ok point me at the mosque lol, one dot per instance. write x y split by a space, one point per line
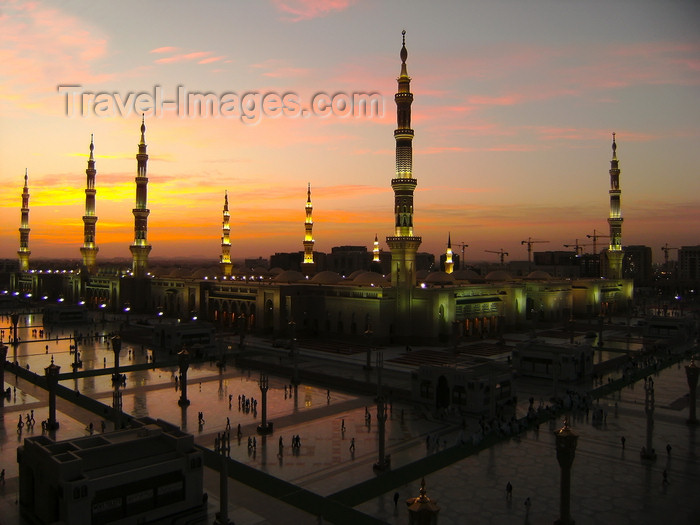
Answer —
402 306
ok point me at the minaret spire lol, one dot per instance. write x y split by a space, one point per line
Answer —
140 249
449 264
403 244
225 261
24 251
615 253
308 265
375 250
89 248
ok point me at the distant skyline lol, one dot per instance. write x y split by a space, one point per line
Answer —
514 107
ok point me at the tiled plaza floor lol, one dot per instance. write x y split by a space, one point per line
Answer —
609 485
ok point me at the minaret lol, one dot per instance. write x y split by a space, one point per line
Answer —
403 243
615 253
226 265
308 266
449 265
140 249
24 251
375 250
89 249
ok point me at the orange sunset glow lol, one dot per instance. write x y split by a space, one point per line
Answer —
514 108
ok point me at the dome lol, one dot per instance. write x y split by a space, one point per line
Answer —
326 277
539 275
290 276
498 275
203 272
466 275
355 274
275 271
439 278
421 274
370 278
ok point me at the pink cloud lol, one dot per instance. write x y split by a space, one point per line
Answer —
210 60
183 57
298 10
166 49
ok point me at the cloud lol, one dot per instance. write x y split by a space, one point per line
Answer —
298 10
166 49
184 57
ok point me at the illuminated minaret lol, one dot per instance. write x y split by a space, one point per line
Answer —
89 249
140 249
308 266
615 220
226 265
23 251
449 265
403 243
375 250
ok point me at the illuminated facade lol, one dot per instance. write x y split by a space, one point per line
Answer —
225 261
140 249
24 251
308 266
615 253
89 248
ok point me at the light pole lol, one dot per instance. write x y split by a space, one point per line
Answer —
649 452
51 372
382 462
264 383
222 446
183 361
368 335
691 373
3 357
566 441
293 352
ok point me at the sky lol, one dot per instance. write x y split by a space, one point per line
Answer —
514 105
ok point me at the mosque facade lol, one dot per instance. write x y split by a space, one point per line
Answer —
401 306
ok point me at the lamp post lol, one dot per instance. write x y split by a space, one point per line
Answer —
566 441
51 373
264 383
649 452
222 446
293 352
116 348
15 319
422 510
691 373
368 335
3 357
183 361
382 461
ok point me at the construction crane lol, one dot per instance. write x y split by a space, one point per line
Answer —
461 261
666 248
595 237
530 241
500 252
577 246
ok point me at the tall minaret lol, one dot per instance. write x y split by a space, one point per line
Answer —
226 265
24 251
615 253
403 243
308 266
375 250
89 249
449 265
140 249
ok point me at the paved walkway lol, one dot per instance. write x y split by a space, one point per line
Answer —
609 485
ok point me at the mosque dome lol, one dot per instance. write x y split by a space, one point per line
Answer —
355 274
466 275
326 277
370 278
539 275
290 276
498 275
439 278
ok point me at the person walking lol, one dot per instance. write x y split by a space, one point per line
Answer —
352 445
509 491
